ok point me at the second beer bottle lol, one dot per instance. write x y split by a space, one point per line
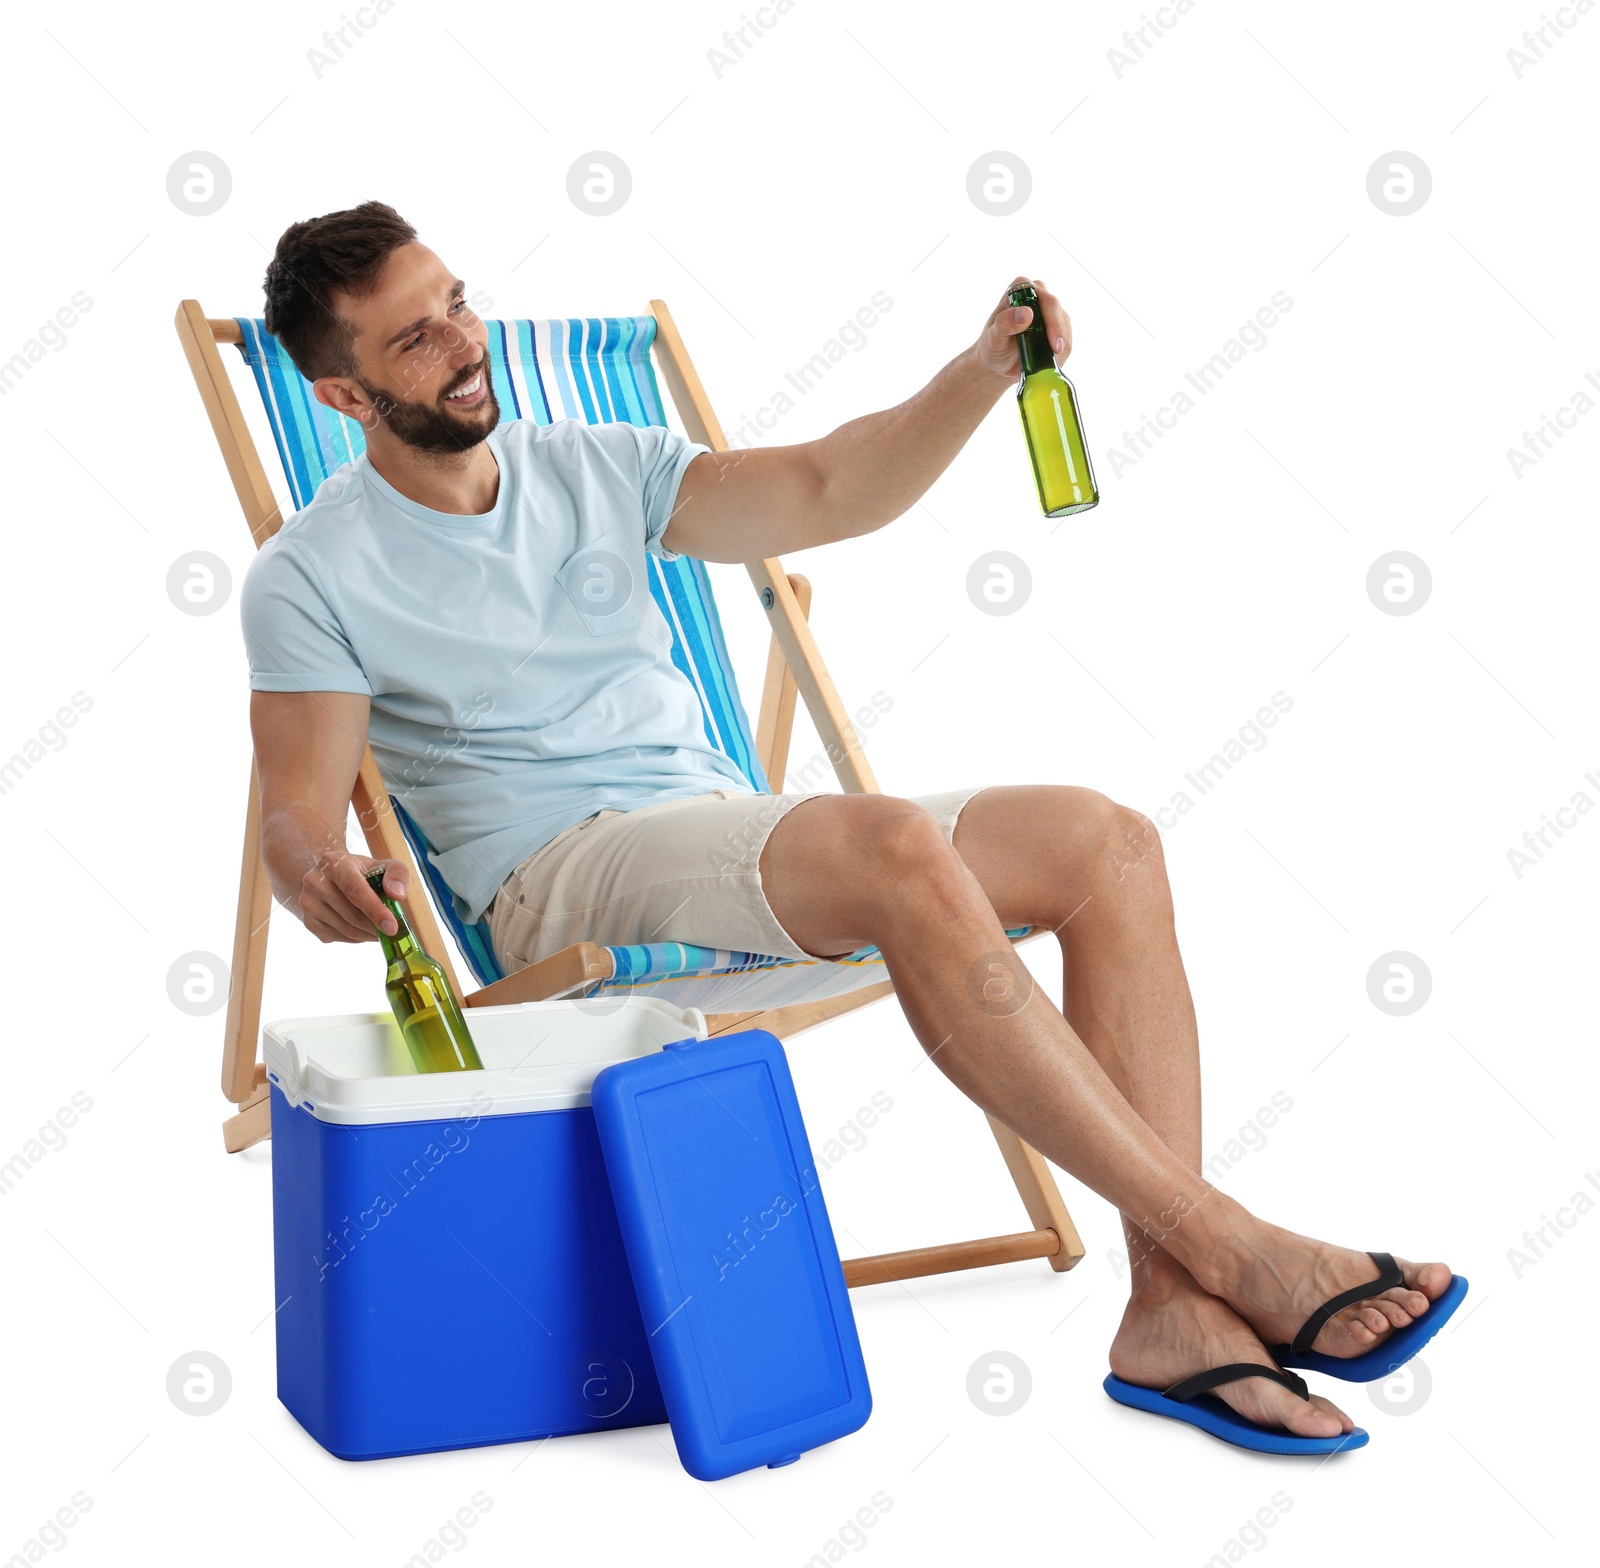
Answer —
419 992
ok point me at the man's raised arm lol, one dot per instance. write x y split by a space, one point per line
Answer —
754 503
308 752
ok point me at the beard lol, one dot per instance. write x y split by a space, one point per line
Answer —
436 427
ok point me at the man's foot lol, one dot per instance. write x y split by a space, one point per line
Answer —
1275 1279
1173 1329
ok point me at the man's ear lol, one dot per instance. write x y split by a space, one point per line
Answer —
343 396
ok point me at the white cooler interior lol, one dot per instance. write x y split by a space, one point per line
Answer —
537 1056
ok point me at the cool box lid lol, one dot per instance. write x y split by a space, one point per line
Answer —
731 1252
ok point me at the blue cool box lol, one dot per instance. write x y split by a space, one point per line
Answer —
450 1268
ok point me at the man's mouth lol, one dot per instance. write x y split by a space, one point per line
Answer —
471 392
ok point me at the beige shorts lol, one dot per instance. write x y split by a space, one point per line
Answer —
683 870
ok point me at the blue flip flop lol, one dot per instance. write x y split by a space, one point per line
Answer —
1390 1353
1188 1401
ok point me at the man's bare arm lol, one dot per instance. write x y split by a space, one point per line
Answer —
755 503
308 752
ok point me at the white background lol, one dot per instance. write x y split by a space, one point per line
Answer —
768 204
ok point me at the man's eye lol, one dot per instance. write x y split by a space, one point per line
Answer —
413 343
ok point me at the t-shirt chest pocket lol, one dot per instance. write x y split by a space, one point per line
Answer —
605 589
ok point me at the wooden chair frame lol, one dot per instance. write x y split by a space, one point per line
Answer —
794 668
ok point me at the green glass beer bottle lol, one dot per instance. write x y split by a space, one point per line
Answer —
419 992
1050 422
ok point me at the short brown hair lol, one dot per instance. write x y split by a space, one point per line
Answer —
316 259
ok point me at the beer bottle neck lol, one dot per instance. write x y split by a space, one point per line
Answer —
1033 342
403 941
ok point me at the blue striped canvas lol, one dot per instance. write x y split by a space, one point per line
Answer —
718 981
596 369
658 962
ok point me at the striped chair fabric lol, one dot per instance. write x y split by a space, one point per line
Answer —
596 369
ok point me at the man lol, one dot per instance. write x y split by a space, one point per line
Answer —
472 594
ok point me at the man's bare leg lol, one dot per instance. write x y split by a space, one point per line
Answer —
842 871
1103 883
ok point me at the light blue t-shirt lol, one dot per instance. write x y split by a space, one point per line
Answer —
520 672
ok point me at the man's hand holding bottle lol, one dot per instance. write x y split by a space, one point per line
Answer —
338 905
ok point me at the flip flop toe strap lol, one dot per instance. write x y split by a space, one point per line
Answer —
1201 1382
1389 1277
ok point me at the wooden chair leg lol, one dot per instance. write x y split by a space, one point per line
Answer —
251 1125
1040 1195
1055 1236
249 967
775 724
385 841
893 1267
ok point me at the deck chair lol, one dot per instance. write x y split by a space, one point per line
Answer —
597 370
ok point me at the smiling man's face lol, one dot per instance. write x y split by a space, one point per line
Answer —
421 355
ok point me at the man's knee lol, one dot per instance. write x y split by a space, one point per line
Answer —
902 832
1110 843
885 840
